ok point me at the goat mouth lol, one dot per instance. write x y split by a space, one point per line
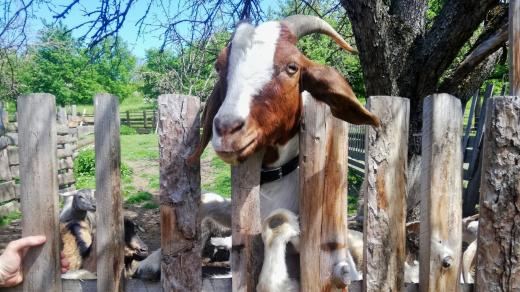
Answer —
233 157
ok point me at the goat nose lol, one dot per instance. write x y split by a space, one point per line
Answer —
228 125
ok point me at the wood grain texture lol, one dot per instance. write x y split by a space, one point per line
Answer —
209 285
109 213
514 47
39 186
498 254
385 200
247 246
441 194
323 204
181 266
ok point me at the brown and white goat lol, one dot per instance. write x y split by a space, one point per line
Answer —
257 101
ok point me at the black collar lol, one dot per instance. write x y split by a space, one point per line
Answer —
273 174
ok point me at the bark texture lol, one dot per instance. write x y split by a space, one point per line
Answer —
179 193
385 199
498 256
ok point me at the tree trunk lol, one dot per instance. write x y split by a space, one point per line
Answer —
401 56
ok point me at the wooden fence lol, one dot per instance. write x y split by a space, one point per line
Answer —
66 144
323 238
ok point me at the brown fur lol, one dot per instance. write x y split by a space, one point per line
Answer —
276 110
71 250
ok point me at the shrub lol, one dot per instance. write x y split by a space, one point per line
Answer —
85 165
139 197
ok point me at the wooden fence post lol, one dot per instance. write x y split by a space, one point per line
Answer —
514 47
247 250
39 190
109 214
144 119
441 194
181 265
323 201
498 254
128 118
385 200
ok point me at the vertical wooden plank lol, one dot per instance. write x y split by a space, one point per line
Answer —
323 185
474 101
498 254
441 194
247 250
109 214
514 47
128 118
39 189
385 200
181 266
144 119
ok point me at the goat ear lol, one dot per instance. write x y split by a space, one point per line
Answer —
213 104
327 85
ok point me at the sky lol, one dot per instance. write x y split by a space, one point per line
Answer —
129 31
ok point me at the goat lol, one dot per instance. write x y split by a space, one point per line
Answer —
78 244
279 228
257 101
77 205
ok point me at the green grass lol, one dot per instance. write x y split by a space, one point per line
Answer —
139 198
132 103
221 183
5 220
138 147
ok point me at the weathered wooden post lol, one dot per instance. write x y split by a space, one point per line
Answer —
181 265
144 119
441 194
109 214
323 201
128 118
498 254
39 190
514 47
385 200
247 250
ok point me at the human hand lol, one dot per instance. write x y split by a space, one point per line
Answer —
11 259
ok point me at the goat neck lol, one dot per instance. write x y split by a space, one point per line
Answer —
282 193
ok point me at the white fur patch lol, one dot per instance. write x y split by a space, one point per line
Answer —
250 66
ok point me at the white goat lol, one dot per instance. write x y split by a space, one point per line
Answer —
279 228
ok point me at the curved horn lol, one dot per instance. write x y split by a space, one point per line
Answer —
302 25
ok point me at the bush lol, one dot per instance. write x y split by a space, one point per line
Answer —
85 165
139 197
126 130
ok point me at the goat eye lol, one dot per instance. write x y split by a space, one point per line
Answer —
292 68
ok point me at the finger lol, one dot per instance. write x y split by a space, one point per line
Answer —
25 242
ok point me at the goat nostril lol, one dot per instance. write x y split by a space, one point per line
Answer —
236 126
228 125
